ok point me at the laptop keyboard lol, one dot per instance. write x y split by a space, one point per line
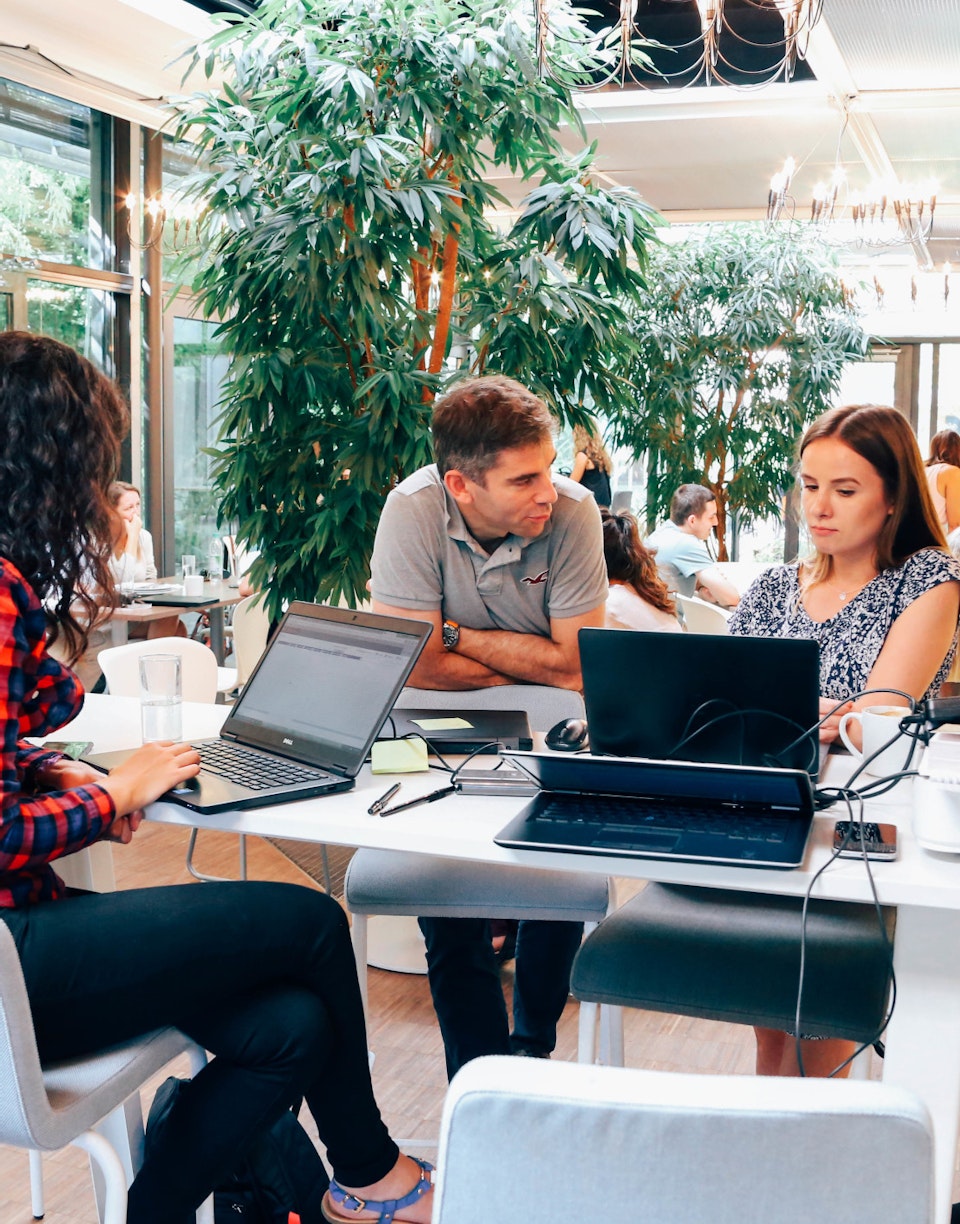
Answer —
617 815
255 770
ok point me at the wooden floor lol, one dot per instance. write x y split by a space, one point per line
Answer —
408 1071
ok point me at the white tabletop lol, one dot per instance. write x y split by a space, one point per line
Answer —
923 1040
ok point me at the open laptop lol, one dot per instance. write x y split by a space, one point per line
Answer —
306 718
743 815
702 697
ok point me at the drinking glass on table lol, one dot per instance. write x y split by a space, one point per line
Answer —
188 564
160 697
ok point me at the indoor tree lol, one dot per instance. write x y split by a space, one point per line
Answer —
349 250
741 339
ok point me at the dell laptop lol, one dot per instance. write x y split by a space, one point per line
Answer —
702 697
743 815
306 718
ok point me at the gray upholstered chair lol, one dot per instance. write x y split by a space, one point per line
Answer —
90 1102
397 883
733 956
523 1141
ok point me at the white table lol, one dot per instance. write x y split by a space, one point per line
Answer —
218 594
923 1040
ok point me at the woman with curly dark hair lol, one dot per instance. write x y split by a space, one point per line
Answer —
260 974
638 597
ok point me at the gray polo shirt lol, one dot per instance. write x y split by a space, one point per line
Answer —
425 558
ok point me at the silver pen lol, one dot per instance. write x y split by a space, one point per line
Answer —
379 804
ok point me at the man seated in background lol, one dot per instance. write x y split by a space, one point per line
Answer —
506 562
683 560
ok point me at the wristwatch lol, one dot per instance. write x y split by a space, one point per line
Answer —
451 635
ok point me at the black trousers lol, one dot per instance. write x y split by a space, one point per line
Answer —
261 975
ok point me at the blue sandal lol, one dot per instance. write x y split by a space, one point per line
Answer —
336 1197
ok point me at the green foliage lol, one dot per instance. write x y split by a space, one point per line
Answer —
349 253
741 341
43 212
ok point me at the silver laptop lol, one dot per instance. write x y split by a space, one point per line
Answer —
748 816
307 717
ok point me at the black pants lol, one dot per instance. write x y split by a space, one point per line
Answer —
261 975
468 998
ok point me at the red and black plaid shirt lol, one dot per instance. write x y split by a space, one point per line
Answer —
37 696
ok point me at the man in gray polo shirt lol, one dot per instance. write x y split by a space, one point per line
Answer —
506 562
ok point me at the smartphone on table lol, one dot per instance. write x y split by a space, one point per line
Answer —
71 748
879 840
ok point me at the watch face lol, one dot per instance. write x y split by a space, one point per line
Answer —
451 634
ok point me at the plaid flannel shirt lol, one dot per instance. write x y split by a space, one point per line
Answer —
37 696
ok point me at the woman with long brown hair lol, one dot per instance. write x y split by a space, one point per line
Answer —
880 595
943 478
638 597
260 974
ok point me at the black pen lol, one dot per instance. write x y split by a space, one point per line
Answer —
412 803
379 804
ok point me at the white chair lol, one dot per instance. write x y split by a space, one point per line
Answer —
524 1140
392 882
251 627
201 678
92 1102
702 617
199 682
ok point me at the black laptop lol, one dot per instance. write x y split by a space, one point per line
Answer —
702 697
306 718
461 731
743 815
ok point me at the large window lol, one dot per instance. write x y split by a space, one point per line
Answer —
56 180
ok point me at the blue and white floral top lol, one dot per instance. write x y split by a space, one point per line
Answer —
850 641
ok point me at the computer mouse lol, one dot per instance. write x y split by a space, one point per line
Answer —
567 736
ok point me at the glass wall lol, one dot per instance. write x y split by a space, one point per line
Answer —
56 188
198 371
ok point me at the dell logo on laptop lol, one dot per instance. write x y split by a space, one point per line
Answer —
288 742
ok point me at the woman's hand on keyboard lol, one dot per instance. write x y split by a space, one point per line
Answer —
147 774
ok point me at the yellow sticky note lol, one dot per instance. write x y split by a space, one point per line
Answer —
399 756
454 723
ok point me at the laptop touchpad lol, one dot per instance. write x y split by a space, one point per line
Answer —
641 839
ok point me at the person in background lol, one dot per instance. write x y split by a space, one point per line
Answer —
592 465
506 562
680 545
260 974
881 596
131 558
943 478
638 597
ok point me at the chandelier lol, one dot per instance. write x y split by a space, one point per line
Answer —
675 43
884 214
167 220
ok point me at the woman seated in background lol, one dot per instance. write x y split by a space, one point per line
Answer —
260 974
132 557
881 595
592 465
638 597
943 477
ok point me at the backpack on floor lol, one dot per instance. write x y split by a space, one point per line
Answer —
281 1180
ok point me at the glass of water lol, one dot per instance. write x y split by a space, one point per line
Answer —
188 564
160 697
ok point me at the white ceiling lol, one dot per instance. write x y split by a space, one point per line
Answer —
888 79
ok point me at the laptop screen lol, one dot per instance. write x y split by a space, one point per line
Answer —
326 683
702 697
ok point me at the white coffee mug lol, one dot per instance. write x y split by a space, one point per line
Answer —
193 584
880 732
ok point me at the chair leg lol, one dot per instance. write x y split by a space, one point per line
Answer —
358 937
327 882
209 879
587 1033
611 1035
36 1184
112 1201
